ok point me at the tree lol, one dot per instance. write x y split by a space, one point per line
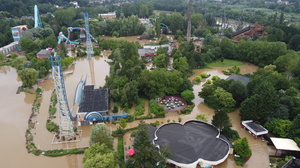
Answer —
161 50
228 48
28 77
294 43
27 44
123 123
225 98
67 61
188 96
221 120
147 156
279 35
241 148
196 20
130 92
295 128
281 18
163 40
161 61
62 50
284 62
99 156
143 11
182 65
101 134
18 62
176 22
238 91
65 16
50 41
177 55
279 127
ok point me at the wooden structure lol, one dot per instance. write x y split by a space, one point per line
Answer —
249 32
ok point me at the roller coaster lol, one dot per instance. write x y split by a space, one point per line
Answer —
66 115
82 33
62 37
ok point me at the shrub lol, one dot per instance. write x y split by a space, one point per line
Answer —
140 107
198 79
233 70
156 123
231 134
201 117
157 110
215 77
188 109
133 134
38 90
52 110
51 126
62 152
179 119
130 118
208 81
204 75
116 109
121 150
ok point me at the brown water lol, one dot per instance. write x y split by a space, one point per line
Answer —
16 109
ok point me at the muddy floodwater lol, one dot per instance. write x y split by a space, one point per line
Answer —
16 109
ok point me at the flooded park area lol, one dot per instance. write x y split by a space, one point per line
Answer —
16 109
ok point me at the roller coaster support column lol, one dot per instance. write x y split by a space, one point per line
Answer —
89 46
65 122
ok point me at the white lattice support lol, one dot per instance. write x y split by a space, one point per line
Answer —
89 46
65 122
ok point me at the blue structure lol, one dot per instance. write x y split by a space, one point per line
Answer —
62 37
37 18
93 105
82 35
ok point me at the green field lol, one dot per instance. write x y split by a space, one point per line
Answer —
225 63
157 12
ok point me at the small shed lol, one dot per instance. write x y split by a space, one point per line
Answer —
254 128
285 144
43 54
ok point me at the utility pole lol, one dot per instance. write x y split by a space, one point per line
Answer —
189 28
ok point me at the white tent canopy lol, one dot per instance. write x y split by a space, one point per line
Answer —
285 144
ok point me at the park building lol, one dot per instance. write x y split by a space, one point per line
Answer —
192 143
91 105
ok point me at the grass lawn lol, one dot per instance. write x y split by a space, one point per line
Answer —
225 63
157 12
